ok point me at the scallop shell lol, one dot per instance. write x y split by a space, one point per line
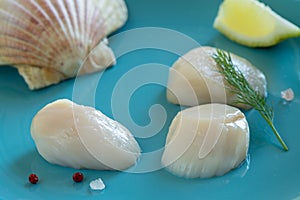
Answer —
52 40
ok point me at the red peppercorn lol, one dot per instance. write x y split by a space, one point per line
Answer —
33 178
77 177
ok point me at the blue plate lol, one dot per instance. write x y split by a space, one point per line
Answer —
133 92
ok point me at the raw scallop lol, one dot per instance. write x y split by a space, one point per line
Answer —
194 79
206 141
78 136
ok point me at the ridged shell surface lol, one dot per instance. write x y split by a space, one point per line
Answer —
49 40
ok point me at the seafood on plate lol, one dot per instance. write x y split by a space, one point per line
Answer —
194 79
50 41
77 136
205 141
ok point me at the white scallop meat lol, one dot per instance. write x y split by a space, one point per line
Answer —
78 136
194 79
206 141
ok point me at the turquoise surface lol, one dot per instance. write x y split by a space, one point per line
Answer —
270 173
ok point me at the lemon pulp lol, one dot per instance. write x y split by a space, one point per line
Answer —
251 23
246 19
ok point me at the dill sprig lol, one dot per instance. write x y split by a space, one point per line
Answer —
245 93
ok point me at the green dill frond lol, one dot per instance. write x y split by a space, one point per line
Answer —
244 92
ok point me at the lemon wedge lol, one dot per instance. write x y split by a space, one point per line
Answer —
252 23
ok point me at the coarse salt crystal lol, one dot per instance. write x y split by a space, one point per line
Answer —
288 94
97 184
